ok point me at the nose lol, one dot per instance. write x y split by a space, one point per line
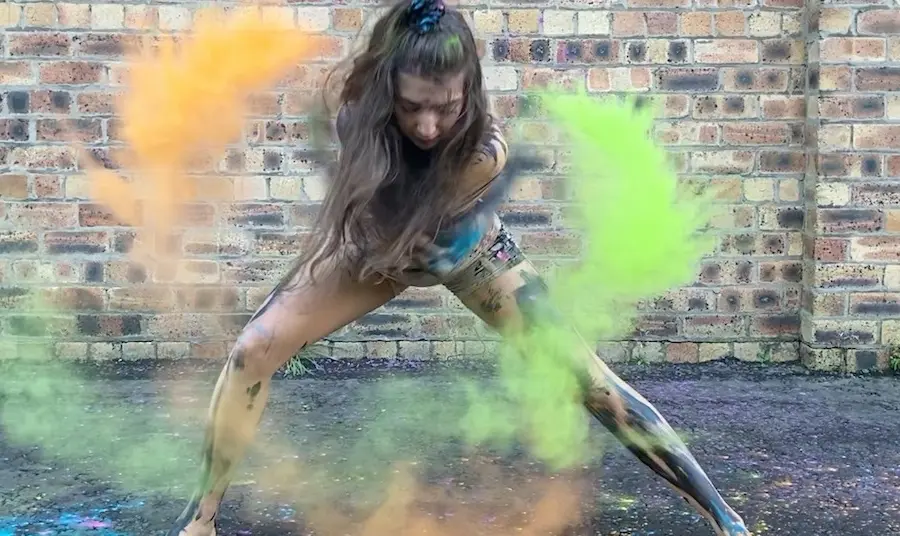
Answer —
426 127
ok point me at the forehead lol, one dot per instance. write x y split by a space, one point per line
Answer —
428 90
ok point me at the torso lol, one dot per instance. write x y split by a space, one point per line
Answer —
468 224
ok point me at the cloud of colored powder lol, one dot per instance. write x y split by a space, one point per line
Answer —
642 232
185 101
185 104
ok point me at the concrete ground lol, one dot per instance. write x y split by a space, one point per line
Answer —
373 448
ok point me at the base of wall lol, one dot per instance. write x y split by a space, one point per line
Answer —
845 359
849 360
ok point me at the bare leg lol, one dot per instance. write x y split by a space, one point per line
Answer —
512 300
293 316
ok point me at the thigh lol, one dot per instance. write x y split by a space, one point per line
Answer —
300 310
514 296
509 299
499 285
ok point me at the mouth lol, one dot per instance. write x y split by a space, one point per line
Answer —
426 143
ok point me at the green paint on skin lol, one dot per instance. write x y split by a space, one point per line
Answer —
642 231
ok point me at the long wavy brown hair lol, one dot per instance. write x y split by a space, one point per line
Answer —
376 210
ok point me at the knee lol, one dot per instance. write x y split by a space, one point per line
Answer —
250 353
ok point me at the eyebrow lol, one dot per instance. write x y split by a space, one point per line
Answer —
414 103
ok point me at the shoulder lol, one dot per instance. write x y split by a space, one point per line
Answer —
490 158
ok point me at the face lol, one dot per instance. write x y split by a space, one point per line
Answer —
427 110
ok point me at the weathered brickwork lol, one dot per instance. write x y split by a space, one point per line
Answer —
850 306
790 108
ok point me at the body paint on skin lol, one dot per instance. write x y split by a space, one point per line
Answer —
645 433
634 421
253 391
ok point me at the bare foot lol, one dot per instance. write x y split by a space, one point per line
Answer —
193 523
199 528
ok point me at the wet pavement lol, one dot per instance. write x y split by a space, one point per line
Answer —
377 450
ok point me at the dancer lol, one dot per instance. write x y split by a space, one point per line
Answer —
412 199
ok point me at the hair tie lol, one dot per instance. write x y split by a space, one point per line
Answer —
423 15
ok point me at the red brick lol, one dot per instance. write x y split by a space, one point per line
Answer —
15 73
18 242
830 249
96 102
48 186
770 80
835 78
726 51
13 186
878 79
347 19
876 136
875 304
277 243
682 352
43 215
875 248
780 107
852 49
71 72
878 21
730 23
846 107
208 299
107 44
96 215
39 44
876 194
660 23
718 327
141 298
14 130
783 3
81 130
783 51
756 133
775 326
50 102
74 298
782 161
842 220
552 243
629 24
570 79
69 242
43 157
696 24
893 166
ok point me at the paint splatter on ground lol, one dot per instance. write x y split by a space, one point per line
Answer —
796 453
89 520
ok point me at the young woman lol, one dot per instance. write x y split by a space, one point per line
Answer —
421 168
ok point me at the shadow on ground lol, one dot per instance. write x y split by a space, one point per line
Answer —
794 452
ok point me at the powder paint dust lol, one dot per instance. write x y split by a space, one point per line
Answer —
183 103
642 233
95 522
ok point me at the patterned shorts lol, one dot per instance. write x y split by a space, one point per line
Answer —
495 254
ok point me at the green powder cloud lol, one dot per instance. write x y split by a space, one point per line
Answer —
643 235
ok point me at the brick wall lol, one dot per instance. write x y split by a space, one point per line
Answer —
851 303
805 156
